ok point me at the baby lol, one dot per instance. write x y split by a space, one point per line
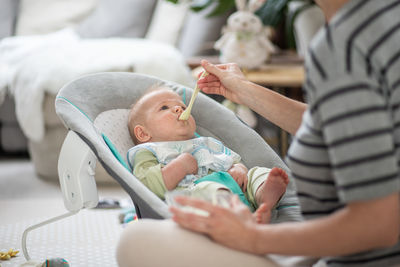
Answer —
168 157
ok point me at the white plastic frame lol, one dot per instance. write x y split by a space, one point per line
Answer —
76 170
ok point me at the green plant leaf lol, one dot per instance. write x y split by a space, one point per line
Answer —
272 12
199 5
222 7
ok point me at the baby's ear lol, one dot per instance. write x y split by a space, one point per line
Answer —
141 134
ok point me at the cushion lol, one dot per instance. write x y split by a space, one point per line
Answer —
118 18
114 125
306 25
8 13
11 137
167 22
45 16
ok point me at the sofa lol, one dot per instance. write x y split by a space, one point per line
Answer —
12 140
157 21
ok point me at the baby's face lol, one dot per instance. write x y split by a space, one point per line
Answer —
163 108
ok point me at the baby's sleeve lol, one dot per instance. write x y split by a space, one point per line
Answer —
148 170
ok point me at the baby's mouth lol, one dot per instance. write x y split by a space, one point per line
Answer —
184 123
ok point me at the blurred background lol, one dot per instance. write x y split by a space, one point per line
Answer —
44 44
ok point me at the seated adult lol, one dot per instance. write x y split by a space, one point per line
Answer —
344 157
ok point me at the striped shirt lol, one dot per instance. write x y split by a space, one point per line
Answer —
348 146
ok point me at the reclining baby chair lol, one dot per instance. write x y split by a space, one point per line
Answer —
95 110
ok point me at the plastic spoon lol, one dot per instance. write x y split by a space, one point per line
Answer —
186 114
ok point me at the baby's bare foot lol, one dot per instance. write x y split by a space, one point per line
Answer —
270 192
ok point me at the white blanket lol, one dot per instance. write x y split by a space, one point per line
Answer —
33 65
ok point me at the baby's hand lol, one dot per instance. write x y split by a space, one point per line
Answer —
177 169
188 162
239 174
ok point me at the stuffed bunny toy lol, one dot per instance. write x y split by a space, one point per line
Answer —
244 39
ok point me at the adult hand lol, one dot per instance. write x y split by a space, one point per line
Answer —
228 80
239 173
224 79
233 227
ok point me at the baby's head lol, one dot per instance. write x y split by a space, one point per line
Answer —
155 117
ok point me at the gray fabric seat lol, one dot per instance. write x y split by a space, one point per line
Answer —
83 100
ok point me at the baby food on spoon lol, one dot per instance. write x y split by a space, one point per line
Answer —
186 114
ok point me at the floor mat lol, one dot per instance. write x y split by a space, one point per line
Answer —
86 239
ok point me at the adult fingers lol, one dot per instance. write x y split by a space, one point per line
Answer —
211 68
200 73
190 220
235 202
202 83
196 203
210 85
239 208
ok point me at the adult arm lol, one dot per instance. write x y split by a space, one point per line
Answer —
229 81
359 226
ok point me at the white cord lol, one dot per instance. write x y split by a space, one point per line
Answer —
27 230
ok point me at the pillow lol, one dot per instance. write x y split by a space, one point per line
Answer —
45 16
8 12
306 25
167 22
118 18
114 125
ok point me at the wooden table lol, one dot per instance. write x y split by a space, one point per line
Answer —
284 69
275 75
284 73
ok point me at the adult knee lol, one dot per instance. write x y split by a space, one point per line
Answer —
130 244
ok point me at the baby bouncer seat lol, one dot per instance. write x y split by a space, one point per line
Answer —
95 110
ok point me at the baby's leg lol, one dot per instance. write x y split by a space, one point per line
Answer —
213 192
269 193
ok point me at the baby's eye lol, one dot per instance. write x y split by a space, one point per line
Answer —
164 107
183 107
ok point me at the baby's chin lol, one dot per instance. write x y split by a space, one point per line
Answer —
174 139
184 137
